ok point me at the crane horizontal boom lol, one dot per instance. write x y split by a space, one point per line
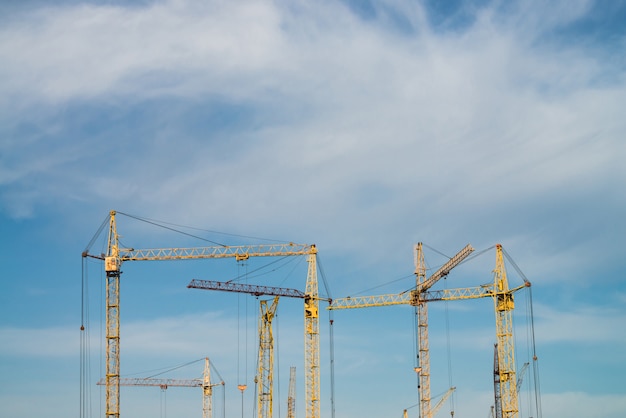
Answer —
404 298
371 301
256 290
140 381
485 291
240 252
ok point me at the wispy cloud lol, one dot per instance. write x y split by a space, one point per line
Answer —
478 106
554 325
28 342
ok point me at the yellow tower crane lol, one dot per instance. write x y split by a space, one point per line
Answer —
504 305
265 377
116 256
422 284
204 383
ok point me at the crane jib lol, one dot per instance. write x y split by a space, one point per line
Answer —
240 252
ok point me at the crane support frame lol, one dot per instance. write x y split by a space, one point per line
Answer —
265 379
311 342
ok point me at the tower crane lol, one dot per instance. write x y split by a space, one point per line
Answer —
504 305
497 407
265 378
114 258
437 406
422 284
204 383
291 397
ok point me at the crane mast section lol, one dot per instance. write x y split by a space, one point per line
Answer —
265 383
256 290
311 342
291 399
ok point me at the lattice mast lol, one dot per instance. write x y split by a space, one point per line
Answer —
291 397
504 306
265 377
497 405
207 390
421 310
311 342
112 368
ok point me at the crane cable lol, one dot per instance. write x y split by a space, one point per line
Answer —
85 374
242 384
162 224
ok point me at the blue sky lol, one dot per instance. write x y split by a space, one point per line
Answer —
362 127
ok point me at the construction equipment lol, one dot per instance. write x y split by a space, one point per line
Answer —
437 406
204 383
310 337
265 377
504 305
114 258
291 397
520 376
252 289
422 284
497 405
